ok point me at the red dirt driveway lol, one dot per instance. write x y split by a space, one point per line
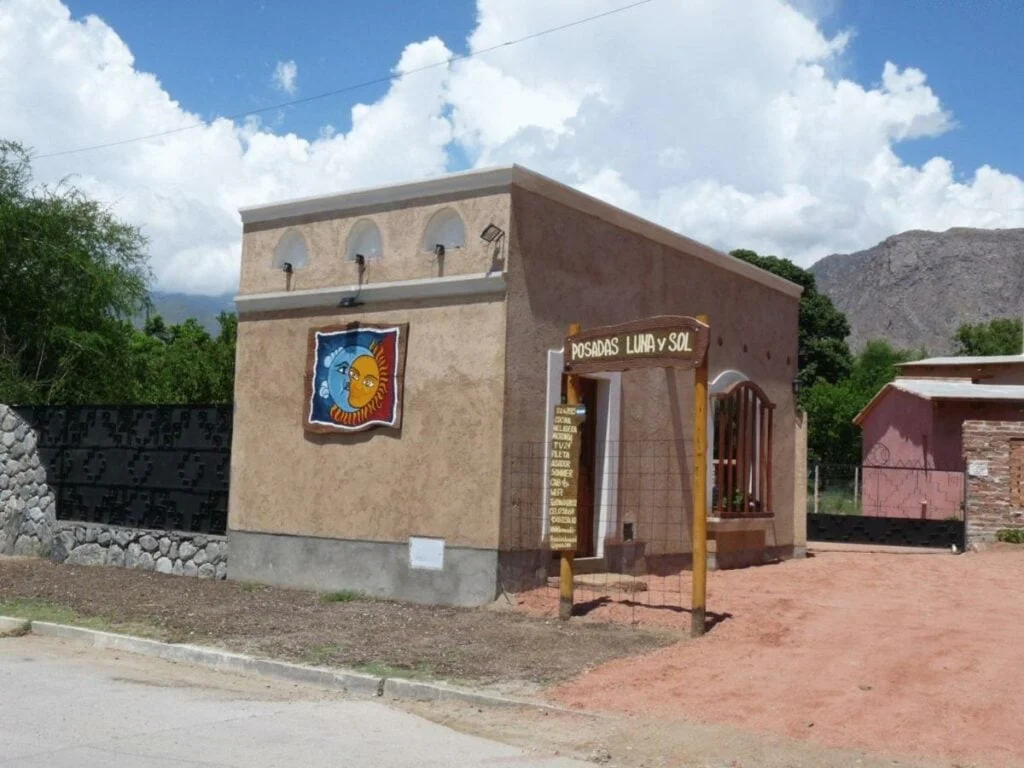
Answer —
916 655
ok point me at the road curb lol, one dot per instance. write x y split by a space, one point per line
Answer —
10 626
226 661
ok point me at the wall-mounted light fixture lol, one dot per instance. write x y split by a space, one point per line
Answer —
796 386
439 251
287 267
491 233
360 261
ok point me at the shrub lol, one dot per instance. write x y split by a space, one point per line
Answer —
1011 535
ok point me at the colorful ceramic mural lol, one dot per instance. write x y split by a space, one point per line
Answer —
354 378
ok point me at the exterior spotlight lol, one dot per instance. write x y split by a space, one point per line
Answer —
439 251
287 267
360 260
491 233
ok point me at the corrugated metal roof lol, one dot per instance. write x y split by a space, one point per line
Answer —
946 389
981 360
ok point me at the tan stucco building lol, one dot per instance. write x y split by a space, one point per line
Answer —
451 506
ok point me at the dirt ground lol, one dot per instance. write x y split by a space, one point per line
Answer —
846 658
388 638
914 655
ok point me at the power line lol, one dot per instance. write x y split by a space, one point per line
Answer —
352 87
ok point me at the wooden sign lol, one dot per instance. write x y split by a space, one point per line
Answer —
563 477
659 342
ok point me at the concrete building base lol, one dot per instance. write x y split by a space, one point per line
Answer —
469 577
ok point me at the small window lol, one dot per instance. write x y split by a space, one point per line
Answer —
742 449
444 228
364 239
1017 473
291 249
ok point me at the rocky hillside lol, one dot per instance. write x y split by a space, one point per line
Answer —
916 288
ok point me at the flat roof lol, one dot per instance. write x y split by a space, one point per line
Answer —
978 360
947 389
501 179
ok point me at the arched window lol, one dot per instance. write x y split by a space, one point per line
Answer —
444 228
291 249
742 430
364 239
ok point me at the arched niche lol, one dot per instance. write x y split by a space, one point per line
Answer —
364 239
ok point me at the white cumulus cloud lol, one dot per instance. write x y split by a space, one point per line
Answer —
285 75
728 120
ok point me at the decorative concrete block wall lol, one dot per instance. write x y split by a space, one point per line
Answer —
28 524
990 502
27 506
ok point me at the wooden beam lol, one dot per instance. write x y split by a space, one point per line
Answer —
698 621
565 574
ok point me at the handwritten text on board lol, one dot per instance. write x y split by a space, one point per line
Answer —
563 471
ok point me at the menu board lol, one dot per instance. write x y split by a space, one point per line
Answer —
563 472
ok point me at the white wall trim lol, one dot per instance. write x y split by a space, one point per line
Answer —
502 179
456 286
609 417
449 184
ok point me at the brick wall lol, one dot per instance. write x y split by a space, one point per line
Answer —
987 446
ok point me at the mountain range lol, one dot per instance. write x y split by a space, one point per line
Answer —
177 307
916 288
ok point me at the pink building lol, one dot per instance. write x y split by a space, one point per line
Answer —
912 460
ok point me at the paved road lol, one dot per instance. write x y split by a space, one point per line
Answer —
63 706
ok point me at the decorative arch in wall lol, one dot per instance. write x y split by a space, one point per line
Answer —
444 228
291 249
364 239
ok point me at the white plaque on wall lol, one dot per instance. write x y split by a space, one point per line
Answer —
977 468
426 554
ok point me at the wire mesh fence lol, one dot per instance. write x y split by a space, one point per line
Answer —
633 526
913 492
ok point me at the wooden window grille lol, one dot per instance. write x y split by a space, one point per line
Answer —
1017 473
742 461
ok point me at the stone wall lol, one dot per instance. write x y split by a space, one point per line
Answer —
27 506
987 456
176 552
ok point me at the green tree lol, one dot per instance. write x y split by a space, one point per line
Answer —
833 438
183 363
823 354
1001 336
73 276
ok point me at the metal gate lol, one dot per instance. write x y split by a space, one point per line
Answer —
891 504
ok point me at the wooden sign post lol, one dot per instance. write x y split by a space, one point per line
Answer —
698 602
659 342
564 489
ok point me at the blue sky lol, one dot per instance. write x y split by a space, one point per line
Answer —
740 123
218 57
970 50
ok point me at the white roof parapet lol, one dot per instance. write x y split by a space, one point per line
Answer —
499 179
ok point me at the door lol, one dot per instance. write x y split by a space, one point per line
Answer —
587 476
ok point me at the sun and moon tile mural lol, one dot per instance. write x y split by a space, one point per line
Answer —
354 377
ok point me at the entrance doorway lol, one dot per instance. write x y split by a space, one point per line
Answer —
587 475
